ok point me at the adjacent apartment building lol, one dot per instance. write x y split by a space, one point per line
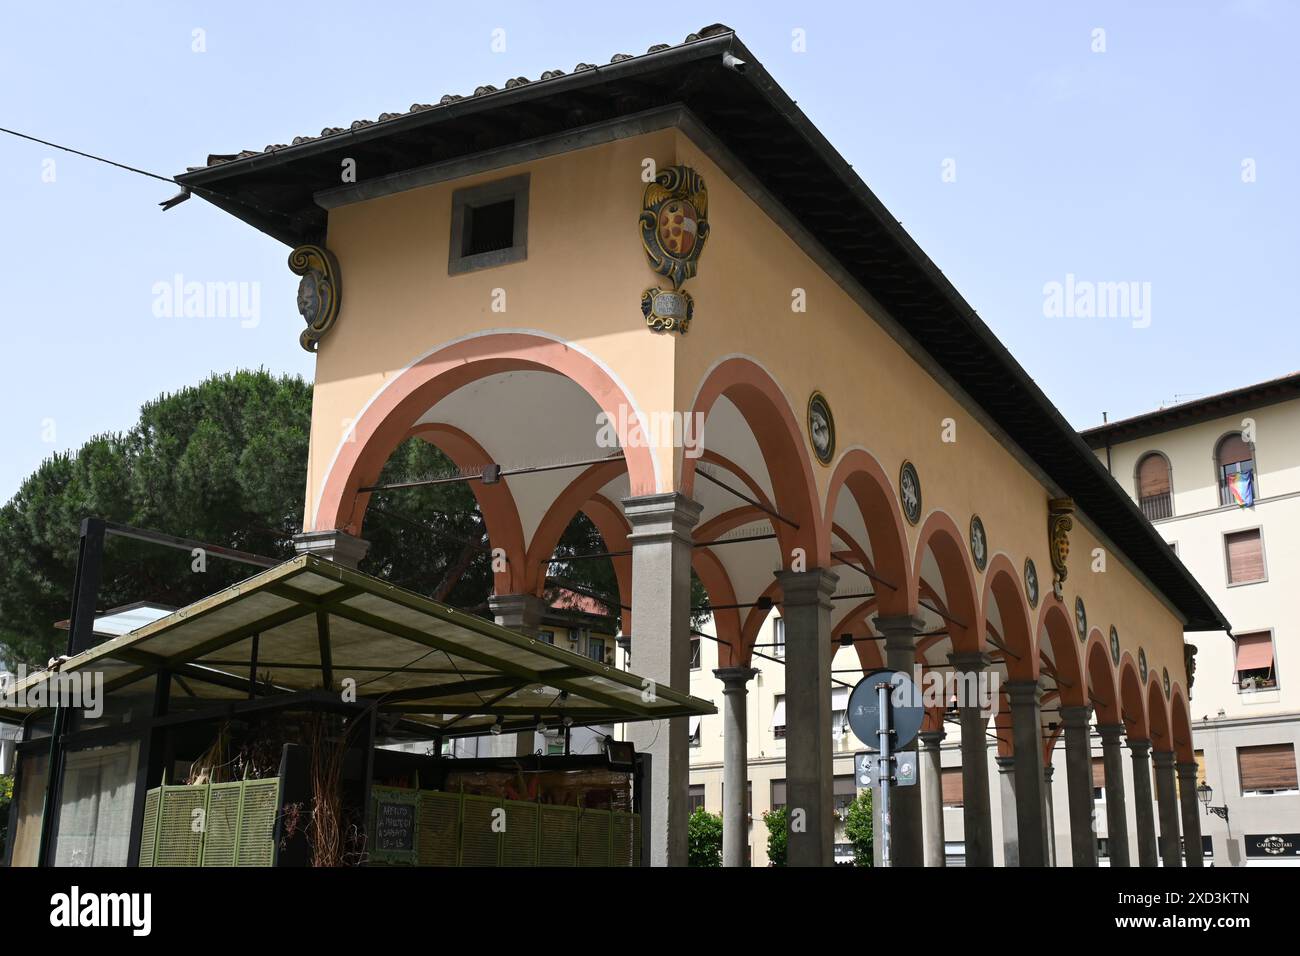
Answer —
1220 478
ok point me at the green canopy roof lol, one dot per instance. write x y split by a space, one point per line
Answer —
316 625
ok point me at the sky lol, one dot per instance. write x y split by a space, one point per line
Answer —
1038 152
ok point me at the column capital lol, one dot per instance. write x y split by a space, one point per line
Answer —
1048 772
332 545
1005 764
527 607
735 678
814 586
1163 759
1110 733
1024 691
665 513
890 624
1187 771
1140 748
1076 715
931 739
970 661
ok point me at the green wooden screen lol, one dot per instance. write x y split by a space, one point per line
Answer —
455 829
221 824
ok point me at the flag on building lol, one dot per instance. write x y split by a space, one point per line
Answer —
1241 488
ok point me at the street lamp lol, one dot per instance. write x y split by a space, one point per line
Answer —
1205 793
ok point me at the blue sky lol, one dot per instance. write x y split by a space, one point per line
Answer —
1117 166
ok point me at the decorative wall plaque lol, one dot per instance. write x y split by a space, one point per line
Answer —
667 311
1080 619
821 428
1164 680
909 492
1059 524
319 292
674 225
1142 665
1114 645
1031 582
979 543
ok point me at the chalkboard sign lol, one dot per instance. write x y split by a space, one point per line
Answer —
394 823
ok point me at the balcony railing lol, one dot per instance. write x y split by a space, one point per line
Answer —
1156 507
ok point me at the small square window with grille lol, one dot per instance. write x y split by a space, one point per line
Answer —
488 228
489 225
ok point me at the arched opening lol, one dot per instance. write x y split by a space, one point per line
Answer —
1103 690
1133 708
1058 655
469 367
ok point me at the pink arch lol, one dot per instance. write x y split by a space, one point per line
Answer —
1133 705
1103 682
1181 725
941 535
392 412
780 439
1067 662
866 481
1002 588
495 502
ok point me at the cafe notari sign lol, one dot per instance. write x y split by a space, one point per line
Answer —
1272 845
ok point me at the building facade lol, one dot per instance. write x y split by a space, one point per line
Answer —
1219 478
650 292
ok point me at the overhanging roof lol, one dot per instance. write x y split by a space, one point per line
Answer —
318 624
1194 412
751 116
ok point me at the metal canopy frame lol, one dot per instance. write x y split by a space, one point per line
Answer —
310 625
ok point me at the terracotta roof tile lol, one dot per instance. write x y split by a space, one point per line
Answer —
216 159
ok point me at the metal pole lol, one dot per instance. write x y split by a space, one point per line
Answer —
884 770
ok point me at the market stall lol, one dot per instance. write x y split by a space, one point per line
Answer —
305 675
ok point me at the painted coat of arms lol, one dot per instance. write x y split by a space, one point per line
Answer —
674 226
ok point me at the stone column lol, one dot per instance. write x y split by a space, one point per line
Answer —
1143 806
337 546
1007 792
522 613
976 814
1167 800
661 651
1189 803
1031 803
932 797
907 840
1049 813
809 753
1078 779
1112 759
735 763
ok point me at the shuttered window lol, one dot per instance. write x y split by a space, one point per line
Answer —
1267 769
778 794
1153 487
952 787
696 797
1098 773
1245 551
1255 661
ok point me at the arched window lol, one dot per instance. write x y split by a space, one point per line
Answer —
1154 492
1234 462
